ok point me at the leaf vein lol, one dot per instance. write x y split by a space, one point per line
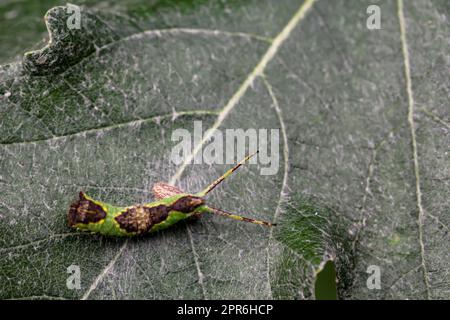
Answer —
131 123
284 185
421 215
259 69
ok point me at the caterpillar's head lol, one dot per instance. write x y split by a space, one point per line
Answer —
83 211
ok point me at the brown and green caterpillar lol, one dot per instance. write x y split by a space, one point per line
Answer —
171 206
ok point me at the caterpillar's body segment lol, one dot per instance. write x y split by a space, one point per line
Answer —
171 206
91 215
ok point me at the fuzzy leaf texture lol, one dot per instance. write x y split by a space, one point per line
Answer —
364 134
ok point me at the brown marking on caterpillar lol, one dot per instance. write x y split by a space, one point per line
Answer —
187 204
85 211
163 190
140 219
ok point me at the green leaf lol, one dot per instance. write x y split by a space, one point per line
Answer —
364 130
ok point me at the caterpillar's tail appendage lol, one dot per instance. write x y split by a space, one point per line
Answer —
163 190
240 218
209 188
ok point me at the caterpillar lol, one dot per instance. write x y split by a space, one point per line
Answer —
171 206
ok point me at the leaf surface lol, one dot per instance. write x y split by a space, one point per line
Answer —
364 135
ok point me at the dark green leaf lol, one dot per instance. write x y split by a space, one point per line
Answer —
364 167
